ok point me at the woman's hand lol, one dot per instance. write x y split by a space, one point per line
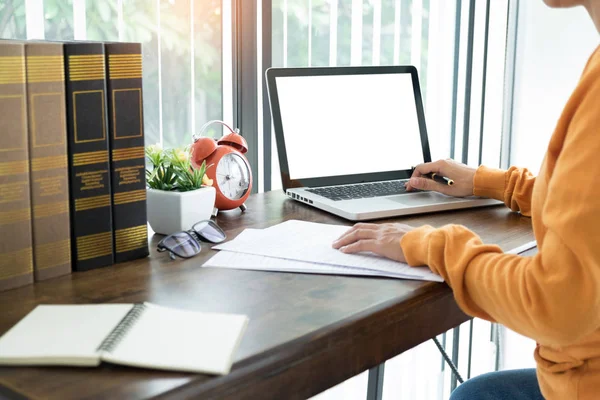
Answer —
382 239
461 174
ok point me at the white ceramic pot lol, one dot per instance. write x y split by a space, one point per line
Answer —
170 212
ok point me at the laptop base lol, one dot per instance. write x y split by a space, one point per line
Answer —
389 206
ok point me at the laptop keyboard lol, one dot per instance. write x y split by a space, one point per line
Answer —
361 190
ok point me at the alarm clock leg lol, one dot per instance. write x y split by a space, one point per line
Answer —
215 211
243 207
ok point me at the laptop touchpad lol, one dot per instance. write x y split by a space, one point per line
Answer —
422 199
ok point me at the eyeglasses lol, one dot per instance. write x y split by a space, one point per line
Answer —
186 244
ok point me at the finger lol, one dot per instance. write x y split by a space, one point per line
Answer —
362 245
360 225
429 167
428 184
425 168
354 236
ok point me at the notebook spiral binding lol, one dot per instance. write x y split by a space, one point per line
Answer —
117 334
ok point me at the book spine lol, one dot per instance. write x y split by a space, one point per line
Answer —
48 160
89 169
16 259
126 132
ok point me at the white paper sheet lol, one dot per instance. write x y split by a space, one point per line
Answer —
305 247
311 242
523 248
229 259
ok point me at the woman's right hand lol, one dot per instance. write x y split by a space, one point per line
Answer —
461 174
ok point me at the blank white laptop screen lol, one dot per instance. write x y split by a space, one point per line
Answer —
349 124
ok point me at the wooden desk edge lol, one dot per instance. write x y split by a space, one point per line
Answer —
296 362
7 392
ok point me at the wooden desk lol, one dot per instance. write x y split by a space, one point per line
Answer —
306 332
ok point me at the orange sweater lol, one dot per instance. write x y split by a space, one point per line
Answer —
553 297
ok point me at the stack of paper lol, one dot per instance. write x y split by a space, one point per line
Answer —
299 246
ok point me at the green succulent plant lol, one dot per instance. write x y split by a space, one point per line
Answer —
172 170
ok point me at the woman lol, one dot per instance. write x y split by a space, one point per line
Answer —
554 297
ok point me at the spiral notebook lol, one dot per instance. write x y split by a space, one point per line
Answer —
138 335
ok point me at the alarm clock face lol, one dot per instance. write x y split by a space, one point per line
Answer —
233 176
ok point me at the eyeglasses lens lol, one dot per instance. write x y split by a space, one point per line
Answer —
182 244
210 231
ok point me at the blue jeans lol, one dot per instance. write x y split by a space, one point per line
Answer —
518 384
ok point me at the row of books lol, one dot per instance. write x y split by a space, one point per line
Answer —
72 174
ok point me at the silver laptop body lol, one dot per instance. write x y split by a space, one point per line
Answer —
348 137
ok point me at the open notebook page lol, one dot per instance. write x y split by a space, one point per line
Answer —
179 340
310 241
61 334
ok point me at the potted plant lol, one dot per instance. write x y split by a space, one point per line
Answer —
178 194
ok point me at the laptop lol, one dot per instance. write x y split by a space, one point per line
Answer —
348 137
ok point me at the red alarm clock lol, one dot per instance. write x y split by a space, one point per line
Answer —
226 165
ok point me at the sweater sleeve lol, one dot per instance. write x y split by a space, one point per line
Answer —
553 297
514 187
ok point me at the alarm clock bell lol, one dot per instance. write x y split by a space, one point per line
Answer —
226 165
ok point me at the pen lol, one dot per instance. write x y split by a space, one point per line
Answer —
438 178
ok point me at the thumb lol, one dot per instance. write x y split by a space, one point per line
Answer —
427 184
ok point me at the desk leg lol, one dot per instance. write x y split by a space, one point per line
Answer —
443 347
470 348
495 338
375 385
455 344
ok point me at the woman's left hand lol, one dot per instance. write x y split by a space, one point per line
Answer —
382 239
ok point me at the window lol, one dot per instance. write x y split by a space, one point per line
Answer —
542 85
183 55
372 32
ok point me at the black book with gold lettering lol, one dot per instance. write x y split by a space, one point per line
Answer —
89 169
126 138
